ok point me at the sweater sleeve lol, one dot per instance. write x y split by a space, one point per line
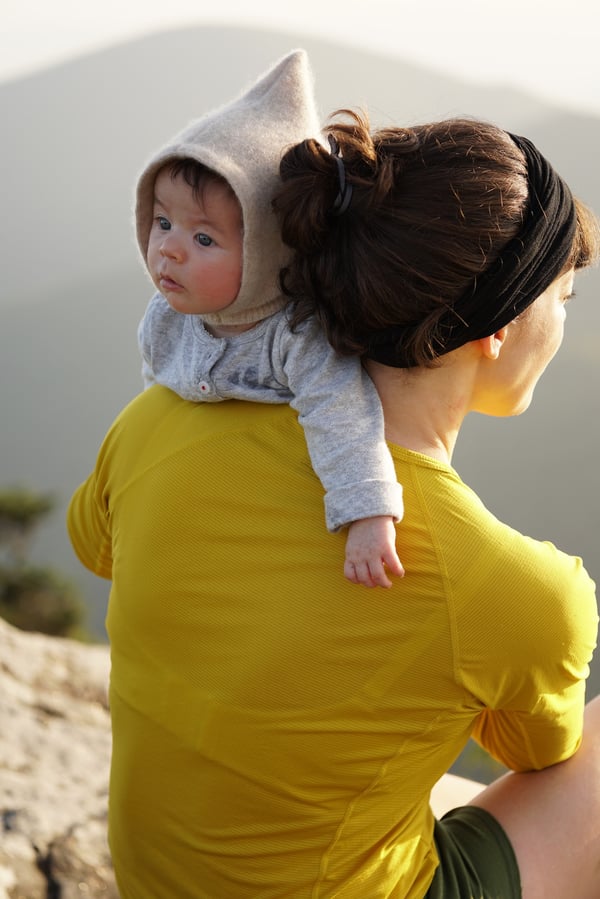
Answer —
342 418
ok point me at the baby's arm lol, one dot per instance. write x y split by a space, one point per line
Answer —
342 418
339 410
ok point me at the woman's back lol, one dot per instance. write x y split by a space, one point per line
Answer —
280 729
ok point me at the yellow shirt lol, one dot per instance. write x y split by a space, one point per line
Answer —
277 730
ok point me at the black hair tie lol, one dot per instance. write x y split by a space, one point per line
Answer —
342 201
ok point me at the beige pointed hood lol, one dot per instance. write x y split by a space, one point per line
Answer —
243 141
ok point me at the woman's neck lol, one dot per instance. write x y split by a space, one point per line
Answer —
423 409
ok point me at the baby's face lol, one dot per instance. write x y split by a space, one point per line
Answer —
195 245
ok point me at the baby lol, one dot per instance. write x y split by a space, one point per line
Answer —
218 328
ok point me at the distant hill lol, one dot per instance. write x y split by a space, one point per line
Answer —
73 290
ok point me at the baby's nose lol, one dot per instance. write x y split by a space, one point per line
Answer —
171 247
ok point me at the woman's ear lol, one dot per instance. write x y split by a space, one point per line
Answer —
491 346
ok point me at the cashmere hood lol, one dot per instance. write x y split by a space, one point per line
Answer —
243 142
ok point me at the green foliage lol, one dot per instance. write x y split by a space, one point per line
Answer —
20 512
38 599
22 507
32 598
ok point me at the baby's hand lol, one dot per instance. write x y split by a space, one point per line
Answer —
370 548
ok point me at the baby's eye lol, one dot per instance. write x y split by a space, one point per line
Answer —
163 223
203 239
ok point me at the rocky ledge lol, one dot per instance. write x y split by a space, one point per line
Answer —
54 760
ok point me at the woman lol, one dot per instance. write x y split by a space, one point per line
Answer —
448 262
277 731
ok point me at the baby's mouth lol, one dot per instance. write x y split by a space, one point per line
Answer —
168 283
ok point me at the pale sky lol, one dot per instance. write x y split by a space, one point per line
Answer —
549 47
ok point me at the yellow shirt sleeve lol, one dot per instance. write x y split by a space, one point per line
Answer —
89 528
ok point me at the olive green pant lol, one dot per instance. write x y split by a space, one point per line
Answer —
477 860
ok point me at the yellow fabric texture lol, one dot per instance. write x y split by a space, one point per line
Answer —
277 730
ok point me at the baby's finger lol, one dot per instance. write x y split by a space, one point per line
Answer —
394 564
377 575
358 573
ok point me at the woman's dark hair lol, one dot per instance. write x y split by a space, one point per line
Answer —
431 208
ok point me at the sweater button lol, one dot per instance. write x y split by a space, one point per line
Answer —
205 388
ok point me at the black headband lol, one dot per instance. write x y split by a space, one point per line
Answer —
526 266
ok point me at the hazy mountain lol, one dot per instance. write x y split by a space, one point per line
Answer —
74 138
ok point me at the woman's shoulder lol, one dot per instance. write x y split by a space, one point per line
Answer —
484 554
160 418
536 596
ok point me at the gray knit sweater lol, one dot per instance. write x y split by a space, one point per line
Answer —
337 403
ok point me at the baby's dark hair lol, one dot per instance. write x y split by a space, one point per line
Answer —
196 175
430 210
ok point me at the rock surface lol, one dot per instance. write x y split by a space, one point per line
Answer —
54 761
